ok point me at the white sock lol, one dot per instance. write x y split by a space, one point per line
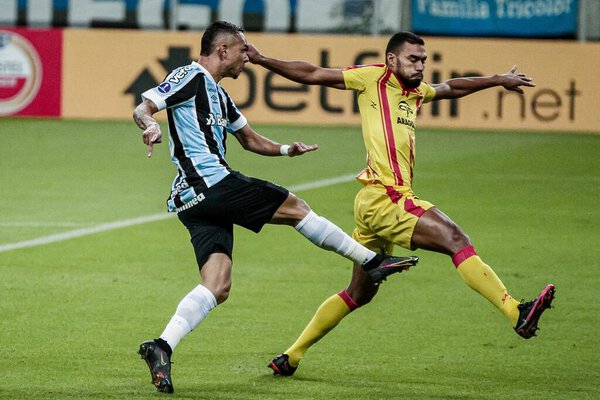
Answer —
192 309
328 236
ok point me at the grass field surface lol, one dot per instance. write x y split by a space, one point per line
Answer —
75 304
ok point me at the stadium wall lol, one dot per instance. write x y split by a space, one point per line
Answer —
105 71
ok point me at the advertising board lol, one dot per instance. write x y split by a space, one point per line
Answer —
30 72
123 64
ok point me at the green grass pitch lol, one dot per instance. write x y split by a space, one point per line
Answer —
73 312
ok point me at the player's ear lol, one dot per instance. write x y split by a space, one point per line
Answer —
221 50
391 59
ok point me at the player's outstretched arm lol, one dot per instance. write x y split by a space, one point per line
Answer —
299 71
252 141
460 87
142 115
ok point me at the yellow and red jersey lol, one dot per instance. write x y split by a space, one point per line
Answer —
388 112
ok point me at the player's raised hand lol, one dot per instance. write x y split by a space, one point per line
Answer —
513 81
152 135
299 148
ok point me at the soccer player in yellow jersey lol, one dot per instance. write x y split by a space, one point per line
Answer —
386 210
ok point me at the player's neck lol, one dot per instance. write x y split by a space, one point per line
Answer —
213 66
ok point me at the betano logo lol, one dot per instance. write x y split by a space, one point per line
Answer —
20 72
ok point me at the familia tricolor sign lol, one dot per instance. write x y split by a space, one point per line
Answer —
30 72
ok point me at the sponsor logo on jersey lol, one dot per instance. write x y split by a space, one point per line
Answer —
179 75
212 121
20 72
164 87
403 106
405 121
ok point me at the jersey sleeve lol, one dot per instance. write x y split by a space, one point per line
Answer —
235 118
354 78
178 87
427 91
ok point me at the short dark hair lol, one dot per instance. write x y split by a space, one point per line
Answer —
398 39
213 31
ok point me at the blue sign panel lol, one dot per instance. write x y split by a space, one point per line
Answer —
513 18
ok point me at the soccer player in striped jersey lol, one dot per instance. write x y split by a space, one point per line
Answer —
386 210
209 197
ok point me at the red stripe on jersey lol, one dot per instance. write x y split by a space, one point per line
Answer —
352 305
389 128
463 254
412 157
419 102
411 207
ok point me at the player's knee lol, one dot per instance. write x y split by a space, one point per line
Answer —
293 210
301 208
363 298
362 291
458 238
221 293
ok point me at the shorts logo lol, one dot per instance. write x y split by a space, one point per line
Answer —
191 203
164 87
20 72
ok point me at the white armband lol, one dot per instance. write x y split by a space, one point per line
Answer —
284 150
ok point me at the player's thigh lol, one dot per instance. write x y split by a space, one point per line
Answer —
252 202
207 237
436 231
366 207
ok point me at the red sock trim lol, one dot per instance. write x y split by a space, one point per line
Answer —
463 254
352 305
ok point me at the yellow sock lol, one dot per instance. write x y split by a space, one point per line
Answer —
481 278
328 315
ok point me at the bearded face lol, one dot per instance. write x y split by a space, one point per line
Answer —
408 65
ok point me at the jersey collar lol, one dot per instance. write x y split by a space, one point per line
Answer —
204 71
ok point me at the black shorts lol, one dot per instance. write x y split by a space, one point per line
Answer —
237 199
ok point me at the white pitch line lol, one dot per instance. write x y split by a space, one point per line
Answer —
30 224
322 183
59 237
109 226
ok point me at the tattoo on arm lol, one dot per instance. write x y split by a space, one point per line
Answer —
142 115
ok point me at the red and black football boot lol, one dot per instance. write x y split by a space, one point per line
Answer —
531 311
281 366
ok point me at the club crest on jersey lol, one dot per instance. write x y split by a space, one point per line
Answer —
179 75
164 87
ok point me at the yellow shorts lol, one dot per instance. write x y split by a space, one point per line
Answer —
385 217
